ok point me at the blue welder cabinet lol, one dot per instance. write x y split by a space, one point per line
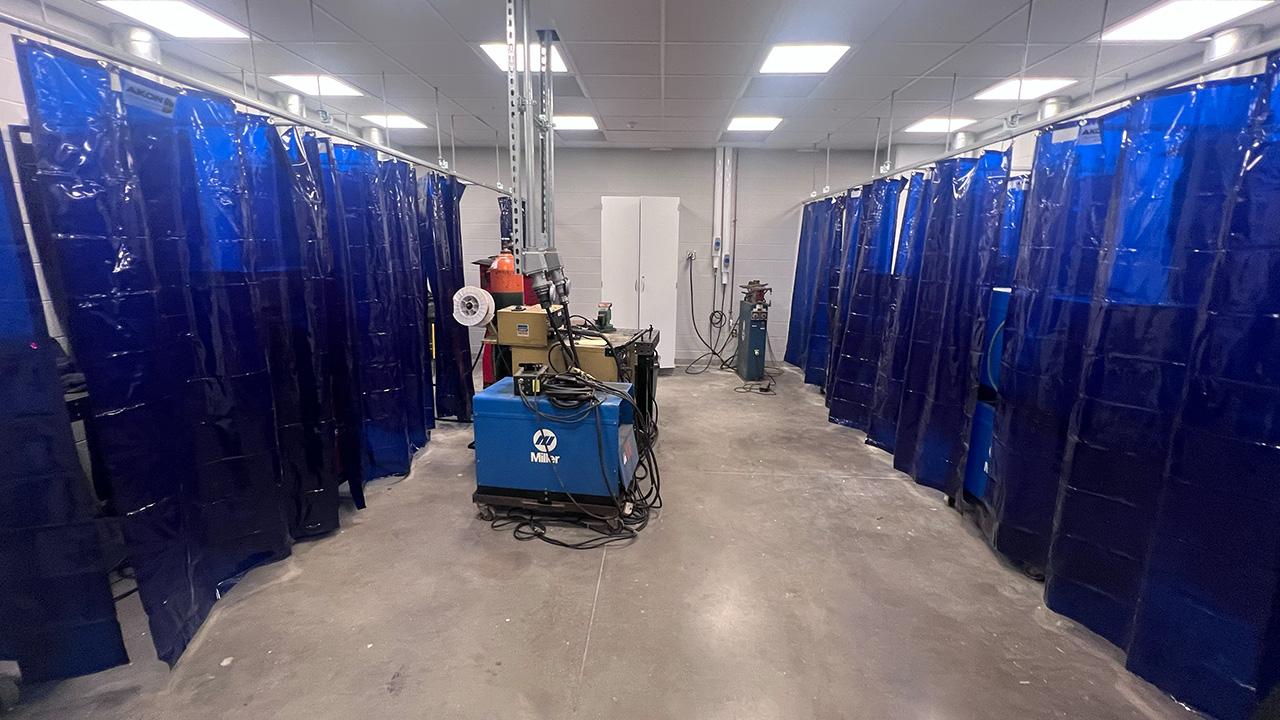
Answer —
555 459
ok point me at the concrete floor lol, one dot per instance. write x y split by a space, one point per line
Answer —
793 574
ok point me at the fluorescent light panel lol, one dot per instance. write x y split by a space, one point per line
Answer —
802 59
939 125
497 52
1180 19
753 124
326 85
395 122
574 122
1032 88
176 18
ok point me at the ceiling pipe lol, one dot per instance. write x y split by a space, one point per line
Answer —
136 41
1053 106
291 102
962 138
1230 41
374 134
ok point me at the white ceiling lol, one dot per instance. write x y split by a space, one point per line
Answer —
670 73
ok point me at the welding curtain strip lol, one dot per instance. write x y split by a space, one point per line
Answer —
192 522
891 367
802 286
1207 626
942 443
950 180
1066 211
1182 150
339 298
399 184
830 237
371 281
850 397
57 617
853 212
441 240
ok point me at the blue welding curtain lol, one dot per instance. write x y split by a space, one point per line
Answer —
1207 627
1066 214
288 322
862 332
399 184
315 509
830 236
882 428
371 280
853 214
440 230
943 441
951 181
339 297
58 617
802 287
190 460
1182 152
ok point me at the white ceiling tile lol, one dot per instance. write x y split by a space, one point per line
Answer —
470 86
713 58
443 57
826 108
895 59
390 20
602 20
631 122
622 86
944 21
712 20
660 138
345 57
858 88
996 61
676 107
704 86
939 89
640 107
614 58
782 85
775 106
830 21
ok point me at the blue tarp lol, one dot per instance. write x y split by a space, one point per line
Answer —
826 289
862 332
58 616
339 297
882 429
950 181
853 212
371 285
442 261
1181 155
1066 214
1207 624
802 289
400 185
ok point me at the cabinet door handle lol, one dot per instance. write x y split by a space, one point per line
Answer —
641 283
636 286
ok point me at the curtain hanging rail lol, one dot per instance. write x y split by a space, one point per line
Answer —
1252 53
121 58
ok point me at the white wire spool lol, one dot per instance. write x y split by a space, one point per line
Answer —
473 306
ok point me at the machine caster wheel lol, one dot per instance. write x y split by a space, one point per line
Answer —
951 501
485 512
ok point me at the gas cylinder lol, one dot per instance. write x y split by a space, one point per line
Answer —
505 283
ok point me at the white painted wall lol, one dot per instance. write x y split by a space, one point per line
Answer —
771 187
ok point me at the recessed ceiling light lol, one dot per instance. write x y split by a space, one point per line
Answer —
497 52
395 122
753 124
812 59
326 85
574 122
176 18
1180 19
939 125
1032 88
